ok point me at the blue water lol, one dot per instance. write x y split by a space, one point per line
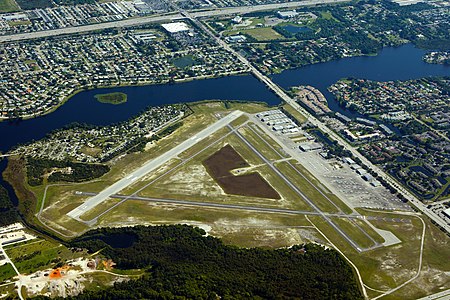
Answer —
84 108
295 29
402 63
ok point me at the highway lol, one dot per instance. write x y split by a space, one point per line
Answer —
414 201
161 18
151 166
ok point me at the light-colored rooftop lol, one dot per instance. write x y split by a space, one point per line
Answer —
176 27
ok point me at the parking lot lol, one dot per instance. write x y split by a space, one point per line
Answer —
337 176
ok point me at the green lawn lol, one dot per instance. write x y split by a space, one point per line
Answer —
261 34
8 6
6 272
33 256
354 232
294 113
311 191
327 16
185 61
260 144
264 34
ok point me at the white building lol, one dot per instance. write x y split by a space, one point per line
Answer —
287 14
237 20
175 27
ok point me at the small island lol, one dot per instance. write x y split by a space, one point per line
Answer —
112 98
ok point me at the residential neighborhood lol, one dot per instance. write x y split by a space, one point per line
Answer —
39 75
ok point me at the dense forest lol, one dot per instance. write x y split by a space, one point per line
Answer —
182 263
62 171
8 213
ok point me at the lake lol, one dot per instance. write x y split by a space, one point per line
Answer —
295 29
400 63
84 108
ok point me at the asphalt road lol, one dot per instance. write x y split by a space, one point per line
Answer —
161 18
151 166
414 201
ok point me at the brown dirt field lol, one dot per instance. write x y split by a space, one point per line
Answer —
226 159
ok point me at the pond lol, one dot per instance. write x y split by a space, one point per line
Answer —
295 29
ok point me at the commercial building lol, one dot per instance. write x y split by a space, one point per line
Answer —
367 177
447 212
175 27
306 146
287 14
348 160
236 39
237 20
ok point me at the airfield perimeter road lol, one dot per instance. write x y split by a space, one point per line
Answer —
152 165
161 18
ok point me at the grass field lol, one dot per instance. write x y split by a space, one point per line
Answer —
332 197
8 6
262 34
35 255
9 289
61 199
268 140
355 233
387 267
295 113
6 272
260 144
242 228
315 192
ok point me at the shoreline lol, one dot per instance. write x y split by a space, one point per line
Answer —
89 88
183 80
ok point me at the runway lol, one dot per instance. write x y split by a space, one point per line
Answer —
151 166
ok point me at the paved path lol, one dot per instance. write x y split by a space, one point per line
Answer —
151 166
